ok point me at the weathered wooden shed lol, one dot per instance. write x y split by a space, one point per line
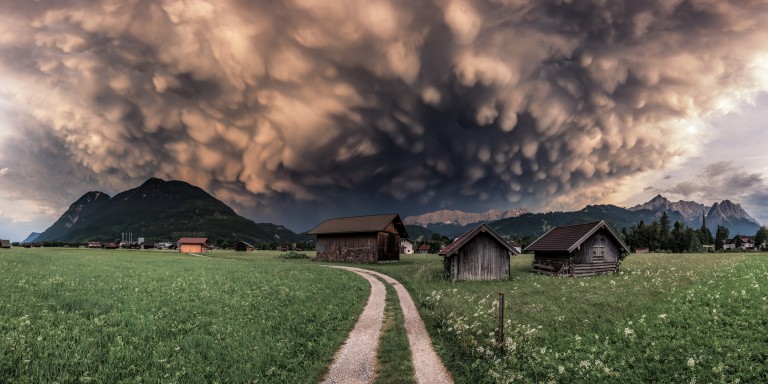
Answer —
480 254
360 239
577 250
194 245
242 246
5 243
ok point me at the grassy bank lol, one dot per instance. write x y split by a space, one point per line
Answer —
84 315
664 318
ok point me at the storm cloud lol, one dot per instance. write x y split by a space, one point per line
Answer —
425 104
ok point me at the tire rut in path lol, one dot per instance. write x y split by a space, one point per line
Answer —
427 366
356 359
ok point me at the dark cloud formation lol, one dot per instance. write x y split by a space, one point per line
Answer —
343 105
720 181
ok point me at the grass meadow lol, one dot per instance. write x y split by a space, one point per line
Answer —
81 315
133 316
665 318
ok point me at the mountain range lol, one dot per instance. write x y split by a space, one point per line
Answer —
690 213
158 210
462 218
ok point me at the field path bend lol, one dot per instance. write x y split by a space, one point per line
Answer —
355 361
427 365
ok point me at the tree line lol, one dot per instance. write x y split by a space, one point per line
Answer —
661 236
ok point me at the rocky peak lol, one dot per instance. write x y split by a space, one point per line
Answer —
460 217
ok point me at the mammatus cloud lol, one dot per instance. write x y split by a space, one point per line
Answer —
433 103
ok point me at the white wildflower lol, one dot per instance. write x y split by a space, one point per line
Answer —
691 362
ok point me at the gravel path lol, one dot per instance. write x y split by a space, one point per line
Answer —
356 359
427 365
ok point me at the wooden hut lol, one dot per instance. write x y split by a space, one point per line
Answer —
5 243
576 250
194 245
360 239
242 246
480 254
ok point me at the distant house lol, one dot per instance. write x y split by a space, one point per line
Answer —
360 239
5 243
146 245
194 245
424 249
406 246
576 250
94 244
642 250
747 242
111 246
480 254
242 246
516 245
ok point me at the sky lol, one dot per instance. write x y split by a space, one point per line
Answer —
298 110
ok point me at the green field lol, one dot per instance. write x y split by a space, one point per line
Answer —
129 316
667 318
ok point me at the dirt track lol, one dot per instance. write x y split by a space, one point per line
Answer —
355 361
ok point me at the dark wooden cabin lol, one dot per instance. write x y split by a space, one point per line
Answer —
480 254
360 239
242 246
577 250
5 243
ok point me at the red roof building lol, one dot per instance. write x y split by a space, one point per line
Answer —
194 245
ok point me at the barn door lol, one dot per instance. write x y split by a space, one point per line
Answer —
598 250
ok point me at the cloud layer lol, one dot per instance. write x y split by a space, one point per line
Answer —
421 103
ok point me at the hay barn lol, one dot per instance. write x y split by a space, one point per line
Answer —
194 245
242 246
360 239
5 243
480 254
578 250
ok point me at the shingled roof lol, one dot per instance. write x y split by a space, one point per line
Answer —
360 224
568 238
482 228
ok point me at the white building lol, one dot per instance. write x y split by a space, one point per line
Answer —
406 247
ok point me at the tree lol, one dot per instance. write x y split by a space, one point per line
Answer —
705 235
664 230
739 243
694 245
761 237
677 241
721 235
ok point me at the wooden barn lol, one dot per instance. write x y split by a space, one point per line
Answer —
577 250
360 239
5 243
480 254
242 246
194 245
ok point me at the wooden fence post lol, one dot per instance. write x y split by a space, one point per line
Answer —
501 323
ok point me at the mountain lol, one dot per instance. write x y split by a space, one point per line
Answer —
159 210
733 217
725 213
461 218
79 214
418 233
536 224
691 211
32 237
